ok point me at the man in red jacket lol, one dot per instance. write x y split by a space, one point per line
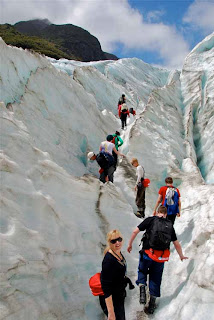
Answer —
161 199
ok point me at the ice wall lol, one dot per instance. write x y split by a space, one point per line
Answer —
138 77
55 216
197 89
133 77
51 226
57 113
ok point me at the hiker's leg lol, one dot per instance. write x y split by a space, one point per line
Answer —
143 268
115 159
102 177
155 277
125 118
111 173
171 217
140 199
137 196
103 305
122 121
119 309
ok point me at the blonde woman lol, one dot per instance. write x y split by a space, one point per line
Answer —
113 279
139 187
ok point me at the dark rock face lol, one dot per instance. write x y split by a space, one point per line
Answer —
32 27
110 56
71 39
76 40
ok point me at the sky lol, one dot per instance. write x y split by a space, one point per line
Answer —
158 32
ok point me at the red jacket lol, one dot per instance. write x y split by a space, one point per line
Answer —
119 111
162 192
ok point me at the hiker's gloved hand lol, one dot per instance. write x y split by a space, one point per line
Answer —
178 214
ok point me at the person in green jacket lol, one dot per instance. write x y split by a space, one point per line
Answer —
118 141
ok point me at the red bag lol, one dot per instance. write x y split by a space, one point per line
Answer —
146 183
101 170
158 255
113 141
95 285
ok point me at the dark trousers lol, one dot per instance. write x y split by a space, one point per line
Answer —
171 217
140 198
154 270
110 158
115 159
119 308
110 175
123 118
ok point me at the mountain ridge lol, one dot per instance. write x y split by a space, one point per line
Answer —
71 42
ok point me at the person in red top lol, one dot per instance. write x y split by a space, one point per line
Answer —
132 111
123 112
161 199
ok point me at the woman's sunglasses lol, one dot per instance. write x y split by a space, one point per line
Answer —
113 241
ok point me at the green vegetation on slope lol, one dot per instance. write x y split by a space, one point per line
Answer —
70 39
42 46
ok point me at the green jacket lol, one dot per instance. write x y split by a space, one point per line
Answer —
118 141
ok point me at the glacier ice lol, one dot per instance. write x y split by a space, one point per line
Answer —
54 211
197 90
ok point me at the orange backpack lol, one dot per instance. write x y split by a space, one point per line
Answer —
95 285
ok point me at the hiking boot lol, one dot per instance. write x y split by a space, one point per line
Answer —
142 213
142 294
151 307
138 214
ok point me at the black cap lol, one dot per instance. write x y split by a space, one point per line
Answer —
109 137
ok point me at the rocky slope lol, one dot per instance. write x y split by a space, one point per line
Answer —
72 40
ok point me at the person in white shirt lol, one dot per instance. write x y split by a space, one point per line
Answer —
139 188
107 147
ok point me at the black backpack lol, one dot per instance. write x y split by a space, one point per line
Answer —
102 160
160 234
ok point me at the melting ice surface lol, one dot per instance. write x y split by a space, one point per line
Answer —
55 213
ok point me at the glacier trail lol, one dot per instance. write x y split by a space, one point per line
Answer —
54 211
